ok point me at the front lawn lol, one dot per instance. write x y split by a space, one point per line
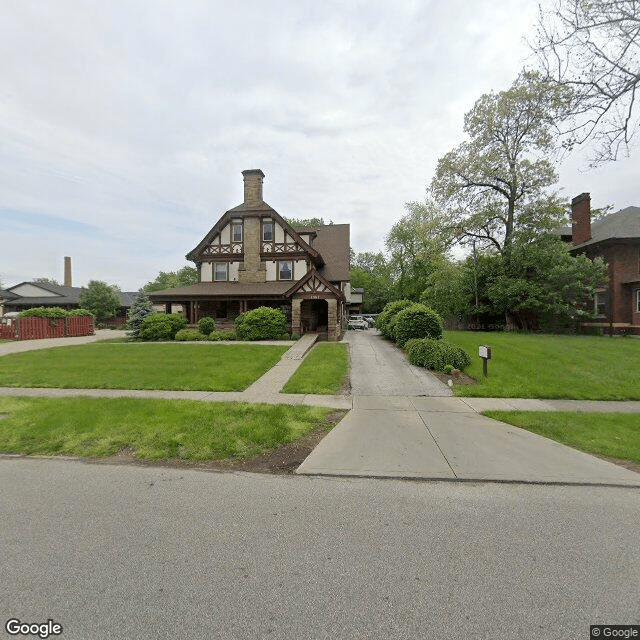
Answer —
151 429
174 366
323 370
615 435
548 366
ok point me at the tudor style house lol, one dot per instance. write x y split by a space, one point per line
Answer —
252 257
615 238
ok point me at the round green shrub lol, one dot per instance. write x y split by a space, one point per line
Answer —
206 325
436 354
189 335
295 336
263 323
384 322
162 326
44 312
237 324
416 321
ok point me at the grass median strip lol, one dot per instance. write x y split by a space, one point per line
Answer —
323 371
179 366
151 429
547 366
615 435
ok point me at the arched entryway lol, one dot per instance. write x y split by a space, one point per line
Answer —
314 316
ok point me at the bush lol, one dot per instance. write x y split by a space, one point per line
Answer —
44 312
206 325
385 321
436 354
237 323
295 336
417 321
162 326
80 313
189 335
263 323
284 336
140 309
216 336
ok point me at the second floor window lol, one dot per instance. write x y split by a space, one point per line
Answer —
285 270
236 232
267 231
220 271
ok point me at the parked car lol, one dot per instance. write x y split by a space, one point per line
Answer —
357 322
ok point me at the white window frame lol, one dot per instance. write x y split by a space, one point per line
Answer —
282 262
215 271
264 229
234 226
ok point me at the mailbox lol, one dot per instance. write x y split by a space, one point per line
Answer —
484 352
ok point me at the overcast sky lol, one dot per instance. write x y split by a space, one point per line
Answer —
125 124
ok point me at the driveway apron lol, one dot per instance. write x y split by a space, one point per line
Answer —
405 423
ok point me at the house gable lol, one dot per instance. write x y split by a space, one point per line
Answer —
313 285
33 290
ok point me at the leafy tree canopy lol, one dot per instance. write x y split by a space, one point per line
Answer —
101 299
184 277
297 223
371 272
46 281
496 182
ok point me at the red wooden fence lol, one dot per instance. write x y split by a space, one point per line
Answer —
38 328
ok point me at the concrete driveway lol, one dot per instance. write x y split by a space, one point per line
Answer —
412 428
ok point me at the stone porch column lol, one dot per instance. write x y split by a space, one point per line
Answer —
296 306
333 325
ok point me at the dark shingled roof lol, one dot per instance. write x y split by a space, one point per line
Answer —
623 224
208 289
63 296
332 242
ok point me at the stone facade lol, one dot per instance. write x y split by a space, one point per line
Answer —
252 269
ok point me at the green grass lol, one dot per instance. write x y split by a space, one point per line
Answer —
547 366
150 429
615 435
191 367
323 370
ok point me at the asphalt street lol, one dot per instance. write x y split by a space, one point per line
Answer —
129 552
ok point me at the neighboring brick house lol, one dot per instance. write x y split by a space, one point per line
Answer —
615 238
252 257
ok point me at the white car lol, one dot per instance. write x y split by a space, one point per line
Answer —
357 322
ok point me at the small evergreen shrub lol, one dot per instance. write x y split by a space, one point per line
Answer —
206 325
263 323
284 336
416 321
295 336
189 335
162 326
141 307
385 321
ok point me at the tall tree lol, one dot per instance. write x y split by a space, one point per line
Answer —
496 182
101 299
171 279
416 243
371 272
594 48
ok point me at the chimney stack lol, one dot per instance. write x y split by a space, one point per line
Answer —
581 218
253 187
67 271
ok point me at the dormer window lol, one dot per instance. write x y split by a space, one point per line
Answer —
267 231
236 232
285 270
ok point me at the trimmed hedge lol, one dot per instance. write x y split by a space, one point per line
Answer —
417 321
216 336
53 312
162 326
189 335
263 323
385 322
206 325
436 354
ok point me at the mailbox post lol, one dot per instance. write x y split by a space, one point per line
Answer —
484 352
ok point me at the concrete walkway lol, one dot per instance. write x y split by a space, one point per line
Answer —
429 436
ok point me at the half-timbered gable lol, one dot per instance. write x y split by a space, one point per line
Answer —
253 257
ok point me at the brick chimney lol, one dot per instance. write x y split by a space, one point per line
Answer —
581 218
253 187
67 271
